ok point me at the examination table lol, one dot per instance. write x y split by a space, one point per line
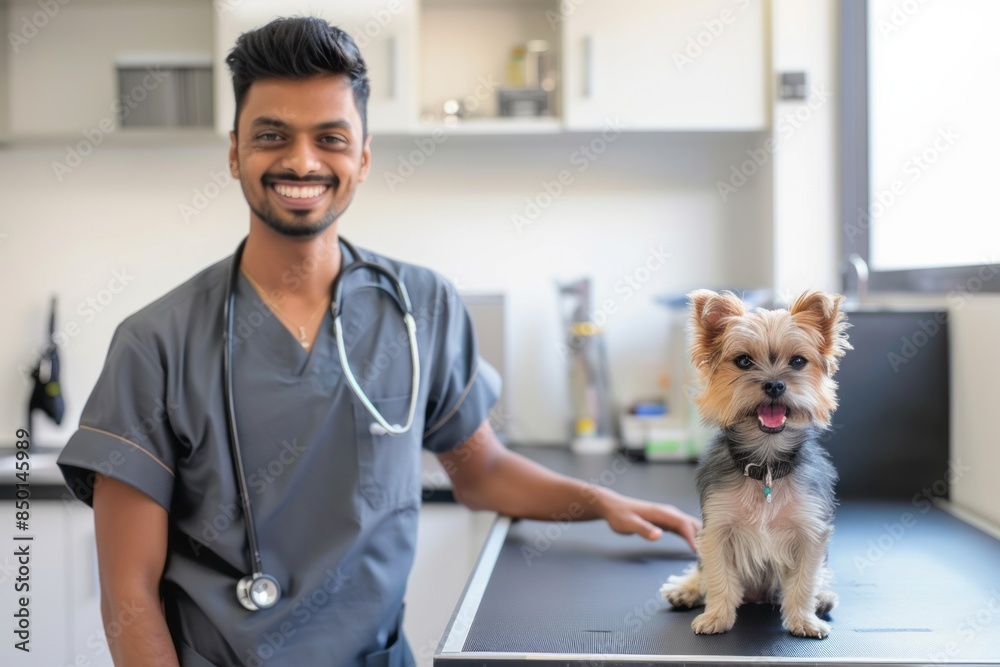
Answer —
917 585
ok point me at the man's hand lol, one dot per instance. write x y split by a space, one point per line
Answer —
629 516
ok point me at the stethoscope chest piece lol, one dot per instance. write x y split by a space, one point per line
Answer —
258 591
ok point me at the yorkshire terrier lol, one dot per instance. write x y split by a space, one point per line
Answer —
765 484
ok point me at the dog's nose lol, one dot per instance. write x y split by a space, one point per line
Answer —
774 389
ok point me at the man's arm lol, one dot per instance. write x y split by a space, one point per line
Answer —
486 475
131 552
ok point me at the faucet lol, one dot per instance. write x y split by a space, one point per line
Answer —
860 294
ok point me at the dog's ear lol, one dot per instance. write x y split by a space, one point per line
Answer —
821 313
710 313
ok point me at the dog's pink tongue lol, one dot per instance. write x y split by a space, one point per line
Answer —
771 416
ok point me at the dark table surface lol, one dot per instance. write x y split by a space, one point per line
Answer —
916 586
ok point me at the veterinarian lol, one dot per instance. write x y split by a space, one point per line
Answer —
287 385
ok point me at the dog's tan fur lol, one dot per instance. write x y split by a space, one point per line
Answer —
751 550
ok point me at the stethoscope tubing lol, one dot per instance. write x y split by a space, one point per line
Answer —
227 363
245 587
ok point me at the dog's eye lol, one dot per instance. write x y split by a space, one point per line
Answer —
797 362
744 361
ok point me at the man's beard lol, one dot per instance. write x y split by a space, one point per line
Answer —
311 229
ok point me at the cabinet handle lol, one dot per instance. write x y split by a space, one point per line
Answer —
588 66
393 49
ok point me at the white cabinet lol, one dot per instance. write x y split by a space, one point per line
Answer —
642 64
88 637
64 600
48 579
656 65
448 544
385 31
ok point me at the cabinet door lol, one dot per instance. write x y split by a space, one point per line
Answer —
665 65
449 539
48 578
386 33
84 605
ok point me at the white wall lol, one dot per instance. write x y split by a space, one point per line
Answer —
806 158
120 210
4 71
974 325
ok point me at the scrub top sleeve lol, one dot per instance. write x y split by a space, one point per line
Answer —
125 429
463 386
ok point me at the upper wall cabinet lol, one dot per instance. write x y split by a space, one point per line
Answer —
386 32
658 65
466 66
62 66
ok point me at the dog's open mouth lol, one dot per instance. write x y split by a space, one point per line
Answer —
771 417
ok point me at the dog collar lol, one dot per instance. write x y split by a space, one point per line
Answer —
764 472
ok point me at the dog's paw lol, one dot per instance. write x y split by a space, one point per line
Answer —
825 602
807 626
712 624
681 593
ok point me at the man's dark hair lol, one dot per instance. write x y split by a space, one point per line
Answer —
297 48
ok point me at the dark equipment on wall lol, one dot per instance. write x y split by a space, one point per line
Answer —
46 393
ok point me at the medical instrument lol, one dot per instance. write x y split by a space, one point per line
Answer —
259 590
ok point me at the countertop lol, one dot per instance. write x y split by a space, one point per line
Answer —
916 584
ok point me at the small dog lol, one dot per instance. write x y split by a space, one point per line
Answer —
765 485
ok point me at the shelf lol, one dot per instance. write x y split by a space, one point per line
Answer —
490 126
118 138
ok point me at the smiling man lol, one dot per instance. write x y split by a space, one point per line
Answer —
329 460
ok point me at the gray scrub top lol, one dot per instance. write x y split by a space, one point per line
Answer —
335 506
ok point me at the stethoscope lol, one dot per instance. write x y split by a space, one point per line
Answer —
258 590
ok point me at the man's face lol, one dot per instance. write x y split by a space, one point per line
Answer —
299 152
